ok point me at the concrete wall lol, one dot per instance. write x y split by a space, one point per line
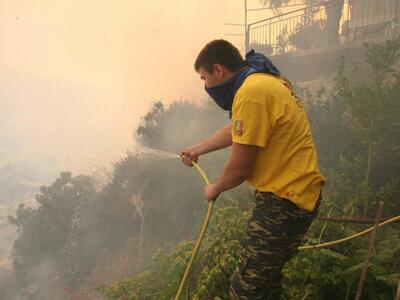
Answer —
312 64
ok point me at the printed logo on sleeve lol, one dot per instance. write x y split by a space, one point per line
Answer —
238 127
292 93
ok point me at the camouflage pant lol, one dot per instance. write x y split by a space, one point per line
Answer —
274 231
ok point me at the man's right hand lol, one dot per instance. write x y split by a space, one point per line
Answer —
189 155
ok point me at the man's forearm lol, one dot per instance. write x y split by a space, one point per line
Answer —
230 178
221 139
239 167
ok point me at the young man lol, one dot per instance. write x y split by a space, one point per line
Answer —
272 148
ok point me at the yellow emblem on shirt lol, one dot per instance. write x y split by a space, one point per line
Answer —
238 127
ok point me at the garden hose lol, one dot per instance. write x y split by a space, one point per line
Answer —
201 236
307 247
328 244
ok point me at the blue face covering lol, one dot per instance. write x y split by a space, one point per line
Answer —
224 93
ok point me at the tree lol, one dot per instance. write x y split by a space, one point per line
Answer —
308 31
49 232
274 3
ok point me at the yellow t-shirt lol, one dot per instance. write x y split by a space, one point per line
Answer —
266 113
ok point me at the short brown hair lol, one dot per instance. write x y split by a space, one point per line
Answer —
219 52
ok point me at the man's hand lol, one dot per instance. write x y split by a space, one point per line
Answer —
211 192
189 155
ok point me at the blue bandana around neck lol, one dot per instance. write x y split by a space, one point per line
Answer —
224 93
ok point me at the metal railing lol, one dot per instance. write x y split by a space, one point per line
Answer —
326 24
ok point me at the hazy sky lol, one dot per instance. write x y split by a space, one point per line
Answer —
142 48
138 50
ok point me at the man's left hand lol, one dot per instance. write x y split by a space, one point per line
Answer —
211 192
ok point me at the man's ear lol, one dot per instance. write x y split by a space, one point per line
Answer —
219 70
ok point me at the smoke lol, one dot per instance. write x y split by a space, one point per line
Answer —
44 284
8 285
